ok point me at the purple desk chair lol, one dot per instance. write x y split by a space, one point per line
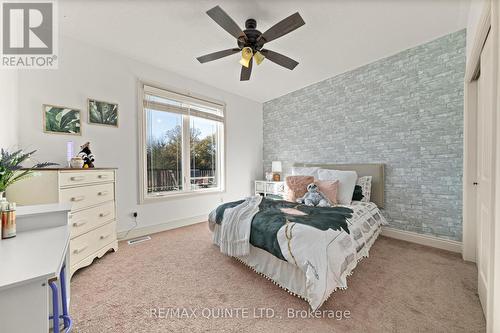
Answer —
68 323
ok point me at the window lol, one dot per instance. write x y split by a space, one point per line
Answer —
182 144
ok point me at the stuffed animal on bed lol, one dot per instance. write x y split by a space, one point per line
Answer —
314 197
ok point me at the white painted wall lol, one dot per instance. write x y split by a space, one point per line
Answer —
8 109
86 71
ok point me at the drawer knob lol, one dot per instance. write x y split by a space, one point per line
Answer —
104 214
80 250
79 223
80 198
77 178
104 237
103 193
102 176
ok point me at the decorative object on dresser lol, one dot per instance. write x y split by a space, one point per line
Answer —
76 162
103 113
86 155
61 120
276 167
270 189
93 212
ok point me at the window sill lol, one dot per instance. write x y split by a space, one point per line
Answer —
177 196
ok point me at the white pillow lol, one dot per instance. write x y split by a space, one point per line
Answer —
305 171
366 187
347 182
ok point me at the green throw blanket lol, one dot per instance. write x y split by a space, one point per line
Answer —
270 219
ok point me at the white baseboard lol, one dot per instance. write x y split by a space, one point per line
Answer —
426 240
408 236
151 229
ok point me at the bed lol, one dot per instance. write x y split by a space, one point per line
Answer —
310 263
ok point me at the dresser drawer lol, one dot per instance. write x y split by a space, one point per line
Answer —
85 177
260 186
87 219
83 197
86 244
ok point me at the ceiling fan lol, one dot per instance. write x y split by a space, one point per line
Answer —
250 41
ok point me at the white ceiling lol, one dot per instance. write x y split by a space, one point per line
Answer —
338 35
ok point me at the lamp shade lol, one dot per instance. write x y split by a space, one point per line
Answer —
276 166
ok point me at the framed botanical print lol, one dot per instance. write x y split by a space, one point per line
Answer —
102 113
61 120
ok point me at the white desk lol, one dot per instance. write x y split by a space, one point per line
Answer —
27 262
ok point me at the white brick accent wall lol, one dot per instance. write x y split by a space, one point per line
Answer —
405 111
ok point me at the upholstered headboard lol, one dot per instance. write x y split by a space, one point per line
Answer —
374 170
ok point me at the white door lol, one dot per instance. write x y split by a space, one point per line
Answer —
486 136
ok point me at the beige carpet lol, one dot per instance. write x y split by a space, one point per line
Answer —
402 287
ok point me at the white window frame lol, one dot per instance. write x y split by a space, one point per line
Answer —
187 97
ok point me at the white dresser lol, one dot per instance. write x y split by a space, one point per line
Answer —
93 212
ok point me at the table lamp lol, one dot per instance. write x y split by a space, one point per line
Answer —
276 168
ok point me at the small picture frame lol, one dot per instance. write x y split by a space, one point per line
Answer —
102 113
61 120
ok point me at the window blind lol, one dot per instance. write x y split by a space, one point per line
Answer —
164 100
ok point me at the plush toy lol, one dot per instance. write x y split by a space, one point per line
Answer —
86 155
313 197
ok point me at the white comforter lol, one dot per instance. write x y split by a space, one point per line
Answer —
325 257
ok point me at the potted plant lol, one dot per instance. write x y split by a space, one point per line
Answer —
11 169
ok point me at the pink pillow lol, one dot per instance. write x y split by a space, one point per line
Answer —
297 186
329 188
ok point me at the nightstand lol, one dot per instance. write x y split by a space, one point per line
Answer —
270 189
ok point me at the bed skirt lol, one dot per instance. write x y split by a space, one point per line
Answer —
288 276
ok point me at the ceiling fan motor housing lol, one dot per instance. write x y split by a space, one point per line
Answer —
251 24
252 35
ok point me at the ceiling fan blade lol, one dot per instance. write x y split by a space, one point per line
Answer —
279 59
281 28
217 55
246 71
226 22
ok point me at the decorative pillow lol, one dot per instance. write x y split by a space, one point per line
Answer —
347 181
297 186
358 194
329 188
366 186
305 171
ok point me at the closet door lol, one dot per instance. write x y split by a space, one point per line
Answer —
486 160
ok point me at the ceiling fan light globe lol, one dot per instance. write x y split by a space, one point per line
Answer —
246 55
259 57
245 62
